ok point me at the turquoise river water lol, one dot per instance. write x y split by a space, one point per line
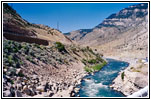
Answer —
97 85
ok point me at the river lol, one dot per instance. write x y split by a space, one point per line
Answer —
97 85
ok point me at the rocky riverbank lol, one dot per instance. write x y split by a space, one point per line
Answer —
31 70
134 77
56 85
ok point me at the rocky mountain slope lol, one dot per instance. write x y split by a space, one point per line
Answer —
37 70
126 29
33 70
13 24
123 36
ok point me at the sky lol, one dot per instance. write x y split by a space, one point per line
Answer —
69 16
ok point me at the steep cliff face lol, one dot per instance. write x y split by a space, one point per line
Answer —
126 29
14 24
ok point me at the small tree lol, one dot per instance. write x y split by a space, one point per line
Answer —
122 75
60 46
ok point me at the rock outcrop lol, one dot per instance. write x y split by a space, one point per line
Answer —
14 24
131 80
125 30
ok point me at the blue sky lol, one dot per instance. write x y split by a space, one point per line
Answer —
71 16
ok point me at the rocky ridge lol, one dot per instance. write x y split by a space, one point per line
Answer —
128 20
14 24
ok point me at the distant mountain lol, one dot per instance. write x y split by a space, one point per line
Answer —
130 25
79 34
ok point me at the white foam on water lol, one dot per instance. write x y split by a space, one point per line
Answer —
109 72
92 88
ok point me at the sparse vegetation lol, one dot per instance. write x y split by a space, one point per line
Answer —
95 67
30 59
11 81
92 61
88 69
31 52
60 46
84 61
137 69
20 74
122 75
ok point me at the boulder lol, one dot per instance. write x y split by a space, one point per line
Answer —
18 94
7 93
140 82
35 76
44 94
19 86
12 91
40 88
19 79
28 91
51 94
46 87
5 70
76 90
18 71
23 83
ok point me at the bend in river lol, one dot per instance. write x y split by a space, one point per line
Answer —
97 85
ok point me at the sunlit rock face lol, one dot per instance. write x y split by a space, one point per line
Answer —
126 20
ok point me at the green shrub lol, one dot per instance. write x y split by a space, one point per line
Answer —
84 61
88 69
32 54
90 50
122 75
11 81
98 58
104 63
60 46
20 74
28 58
92 61
97 67
39 46
26 50
15 49
10 60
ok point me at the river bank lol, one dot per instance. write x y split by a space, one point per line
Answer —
135 76
134 79
97 84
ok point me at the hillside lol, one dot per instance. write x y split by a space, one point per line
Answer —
122 36
38 69
13 24
125 30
